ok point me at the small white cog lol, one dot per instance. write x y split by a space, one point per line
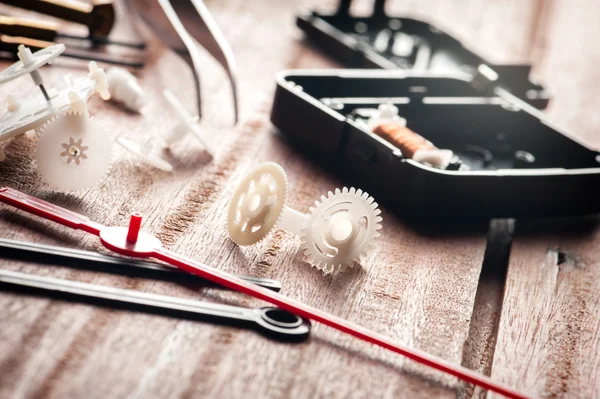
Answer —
341 229
73 152
257 203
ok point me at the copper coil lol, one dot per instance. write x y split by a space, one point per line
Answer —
402 137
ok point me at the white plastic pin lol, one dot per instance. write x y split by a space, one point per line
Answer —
148 151
339 229
187 124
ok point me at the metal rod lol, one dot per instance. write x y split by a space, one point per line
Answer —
107 60
100 295
44 92
78 259
105 41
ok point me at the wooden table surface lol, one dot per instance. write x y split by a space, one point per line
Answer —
529 318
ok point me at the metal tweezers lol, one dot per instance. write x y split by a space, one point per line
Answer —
182 25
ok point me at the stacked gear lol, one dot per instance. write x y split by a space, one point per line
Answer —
339 229
73 151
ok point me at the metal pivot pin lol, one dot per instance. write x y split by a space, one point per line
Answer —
133 231
338 230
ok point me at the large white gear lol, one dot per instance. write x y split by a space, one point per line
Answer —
73 152
257 204
340 229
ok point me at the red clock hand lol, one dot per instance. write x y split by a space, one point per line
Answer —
131 241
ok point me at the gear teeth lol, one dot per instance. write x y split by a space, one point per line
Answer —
110 151
77 112
369 210
246 180
40 129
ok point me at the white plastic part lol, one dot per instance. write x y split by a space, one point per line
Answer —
187 123
29 63
126 89
74 152
99 77
78 105
12 104
338 230
386 113
148 151
436 157
32 112
257 204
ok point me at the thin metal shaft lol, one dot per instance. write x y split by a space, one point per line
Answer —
78 259
45 93
107 60
105 41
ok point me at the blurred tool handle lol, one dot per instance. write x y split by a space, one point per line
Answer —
11 43
99 16
42 30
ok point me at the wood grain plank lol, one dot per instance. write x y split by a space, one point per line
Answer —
549 337
416 288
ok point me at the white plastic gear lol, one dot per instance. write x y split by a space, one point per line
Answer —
32 62
340 229
73 152
257 203
32 112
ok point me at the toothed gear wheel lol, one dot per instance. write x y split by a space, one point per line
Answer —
340 229
73 152
257 203
38 59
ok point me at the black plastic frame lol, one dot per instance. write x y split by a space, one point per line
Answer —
561 182
337 35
